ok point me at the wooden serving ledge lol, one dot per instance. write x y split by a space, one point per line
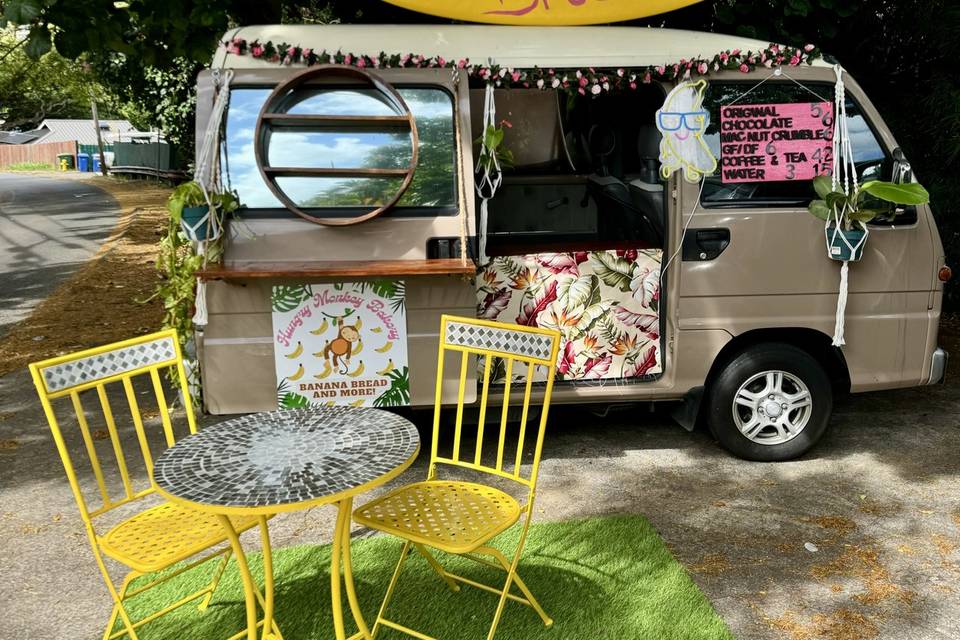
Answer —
238 270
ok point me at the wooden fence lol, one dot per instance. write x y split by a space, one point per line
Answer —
45 152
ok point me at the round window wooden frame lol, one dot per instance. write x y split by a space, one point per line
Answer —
270 117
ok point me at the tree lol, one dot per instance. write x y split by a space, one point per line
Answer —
52 86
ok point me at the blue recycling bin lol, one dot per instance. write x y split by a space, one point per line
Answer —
83 162
96 164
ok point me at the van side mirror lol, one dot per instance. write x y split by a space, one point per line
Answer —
902 171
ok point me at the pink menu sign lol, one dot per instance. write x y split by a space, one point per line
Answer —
773 142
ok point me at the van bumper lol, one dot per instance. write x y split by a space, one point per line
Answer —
938 366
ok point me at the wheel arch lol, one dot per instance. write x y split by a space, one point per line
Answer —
816 343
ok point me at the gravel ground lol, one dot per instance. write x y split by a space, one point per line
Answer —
878 500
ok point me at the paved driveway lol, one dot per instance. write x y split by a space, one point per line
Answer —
49 226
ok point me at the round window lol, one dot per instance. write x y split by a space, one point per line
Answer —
293 113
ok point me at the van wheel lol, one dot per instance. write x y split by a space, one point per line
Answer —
772 402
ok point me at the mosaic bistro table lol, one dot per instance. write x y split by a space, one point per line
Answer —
280 461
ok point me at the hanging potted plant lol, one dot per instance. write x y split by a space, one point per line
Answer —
847 215
188 207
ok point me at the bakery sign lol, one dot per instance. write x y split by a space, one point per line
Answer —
776 142
341 344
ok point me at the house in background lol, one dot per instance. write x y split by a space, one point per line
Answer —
84 131
123 144
17 137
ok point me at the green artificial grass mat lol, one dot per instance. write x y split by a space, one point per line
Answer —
609 577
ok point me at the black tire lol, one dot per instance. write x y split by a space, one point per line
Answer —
771 356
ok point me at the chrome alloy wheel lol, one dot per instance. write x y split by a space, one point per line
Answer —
772 407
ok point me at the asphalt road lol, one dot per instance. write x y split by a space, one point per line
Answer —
48 228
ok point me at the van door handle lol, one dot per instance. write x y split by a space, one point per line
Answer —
705 244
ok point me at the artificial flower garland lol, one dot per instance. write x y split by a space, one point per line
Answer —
583 81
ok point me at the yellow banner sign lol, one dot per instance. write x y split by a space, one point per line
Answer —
543 12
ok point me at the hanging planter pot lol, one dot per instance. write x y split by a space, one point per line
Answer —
195 222
845 245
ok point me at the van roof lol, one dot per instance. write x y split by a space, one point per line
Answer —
511 46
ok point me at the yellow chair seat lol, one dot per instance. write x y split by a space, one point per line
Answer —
456 517
165 534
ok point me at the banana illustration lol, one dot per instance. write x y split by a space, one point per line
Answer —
387 369
320 354
298 374
358 323
329 403
385 348
296 352
327 370
357 349
357 403
322 328
376 330
359 370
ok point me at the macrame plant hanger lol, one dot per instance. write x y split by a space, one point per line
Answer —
490 175
843 162
207 175
461 178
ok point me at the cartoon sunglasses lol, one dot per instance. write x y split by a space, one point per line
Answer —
690 120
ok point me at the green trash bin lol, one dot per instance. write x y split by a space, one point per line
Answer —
65 161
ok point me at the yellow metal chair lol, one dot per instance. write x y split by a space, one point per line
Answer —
461 517
158 536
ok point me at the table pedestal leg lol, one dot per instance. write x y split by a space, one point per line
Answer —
341 555
250 590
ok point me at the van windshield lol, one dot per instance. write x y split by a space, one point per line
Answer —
432 191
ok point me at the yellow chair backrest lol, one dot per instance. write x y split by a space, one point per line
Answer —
523 350
92 370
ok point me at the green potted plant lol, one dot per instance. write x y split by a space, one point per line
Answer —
493 156
188 207
855 210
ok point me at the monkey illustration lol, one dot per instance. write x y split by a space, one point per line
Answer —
342 345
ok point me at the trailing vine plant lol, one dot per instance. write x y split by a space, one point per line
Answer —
178 260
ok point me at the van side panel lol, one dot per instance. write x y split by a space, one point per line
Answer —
775 274
237 354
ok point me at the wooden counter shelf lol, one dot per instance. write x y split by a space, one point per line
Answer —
236 270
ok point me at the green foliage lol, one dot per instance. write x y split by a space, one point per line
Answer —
392 290
398 394
288 297
293 401
48 85
492 151
853 208
178 263
190 194
29 166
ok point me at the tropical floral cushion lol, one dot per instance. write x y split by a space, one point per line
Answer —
604 303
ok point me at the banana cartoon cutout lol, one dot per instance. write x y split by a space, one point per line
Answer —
358 403
358 323
390 367
327 370
376 330
296 352
385 348
358 348
297 374
319 331
357 372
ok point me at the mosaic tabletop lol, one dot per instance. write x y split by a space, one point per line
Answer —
286 457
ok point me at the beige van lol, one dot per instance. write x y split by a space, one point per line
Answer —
577 235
